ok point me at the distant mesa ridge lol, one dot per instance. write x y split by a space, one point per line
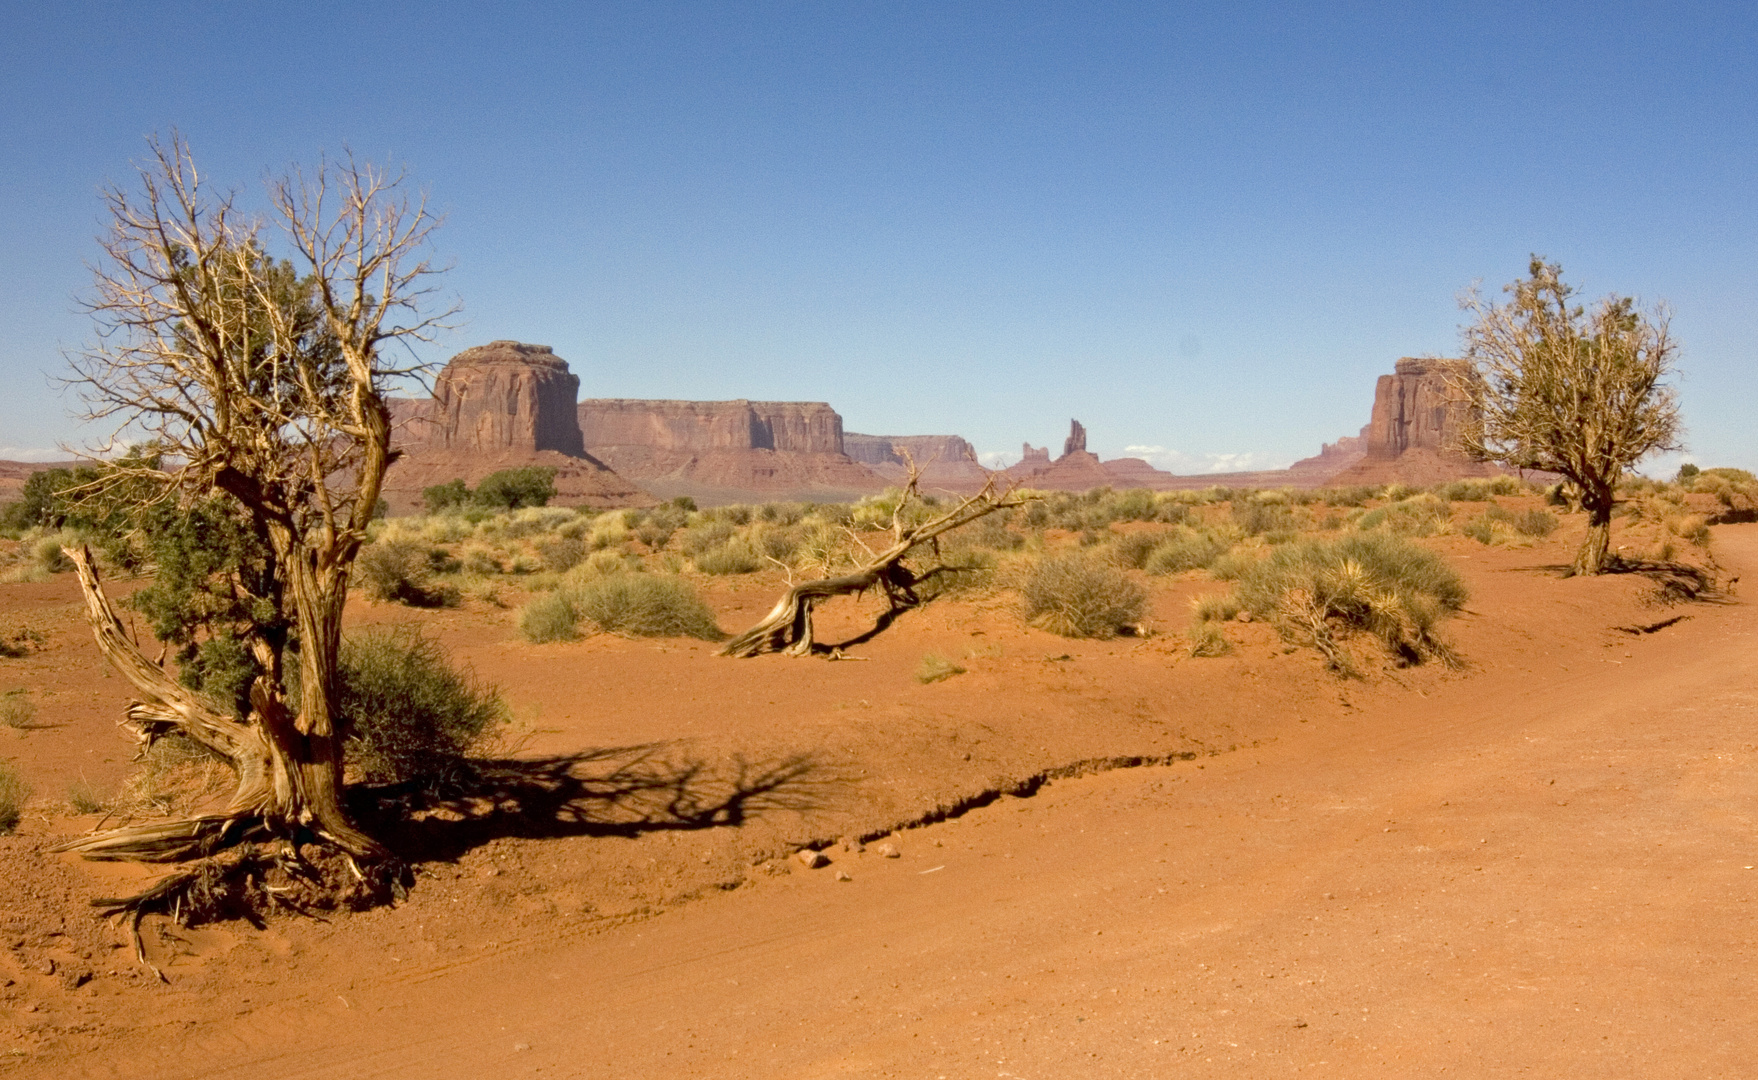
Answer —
508 404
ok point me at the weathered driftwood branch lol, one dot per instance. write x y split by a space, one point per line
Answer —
787 629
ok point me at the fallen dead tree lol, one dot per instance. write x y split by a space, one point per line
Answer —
787 629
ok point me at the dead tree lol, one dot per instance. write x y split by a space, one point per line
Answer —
787 629
261 382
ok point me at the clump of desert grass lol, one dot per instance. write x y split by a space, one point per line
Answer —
1208 613
1081 595
413 716
17 710
632 604
1501 527
935 668
14 794
1318 593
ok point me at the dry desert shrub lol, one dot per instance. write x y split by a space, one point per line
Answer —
1081 595
1318 592
14 793
1187 549
935 668
562 553
172 775
401 571
17 711
1417 514
639 605
1505 528
1208 613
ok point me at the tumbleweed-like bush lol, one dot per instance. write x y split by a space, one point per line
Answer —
1318 592
412 716
1081 595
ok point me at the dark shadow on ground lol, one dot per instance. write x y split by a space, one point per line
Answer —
619 791
1674 582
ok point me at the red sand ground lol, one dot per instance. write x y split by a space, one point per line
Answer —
1540 865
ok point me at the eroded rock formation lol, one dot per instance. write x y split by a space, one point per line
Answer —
503 405
1419 414
726 451
947 462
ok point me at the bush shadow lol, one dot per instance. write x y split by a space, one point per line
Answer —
609 792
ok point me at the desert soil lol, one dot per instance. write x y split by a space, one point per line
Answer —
1540 865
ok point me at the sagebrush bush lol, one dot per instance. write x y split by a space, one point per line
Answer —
401 571
14 793
411 716
561 554
1186 549
17 711
1317 591
734 557
1230 564
550 617
1422 514
1131 550
1501 526
645 605
1080 595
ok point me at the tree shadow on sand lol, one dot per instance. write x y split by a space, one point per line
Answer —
610 792
1674 582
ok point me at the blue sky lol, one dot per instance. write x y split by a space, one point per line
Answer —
1204 229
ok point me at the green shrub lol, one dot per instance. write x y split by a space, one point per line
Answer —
729 558
1422 514
1501 526
1186 549
1131 550
935 668
1317 591
410 715
511 489
562 554
14 793
401 571
550 617
1080 595
1265 513
645 605
1231 564
446 496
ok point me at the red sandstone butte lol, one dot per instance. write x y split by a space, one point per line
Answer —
498 406
947 462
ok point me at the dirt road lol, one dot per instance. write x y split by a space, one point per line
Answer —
1549 877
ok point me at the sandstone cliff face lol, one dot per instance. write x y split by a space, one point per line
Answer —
946 462
726 451
805 427
505 397
503 405
1416 408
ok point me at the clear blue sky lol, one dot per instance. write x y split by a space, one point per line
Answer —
1204 228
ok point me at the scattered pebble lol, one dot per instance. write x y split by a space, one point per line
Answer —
842 875
812 860
888 851
521 1046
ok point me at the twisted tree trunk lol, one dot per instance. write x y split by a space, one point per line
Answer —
287 778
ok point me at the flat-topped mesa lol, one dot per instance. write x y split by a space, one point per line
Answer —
505 397
1419 407
807 427
726 451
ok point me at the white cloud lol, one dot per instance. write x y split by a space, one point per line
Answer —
1200 464
997 459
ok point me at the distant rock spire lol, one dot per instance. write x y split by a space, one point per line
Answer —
1077 438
